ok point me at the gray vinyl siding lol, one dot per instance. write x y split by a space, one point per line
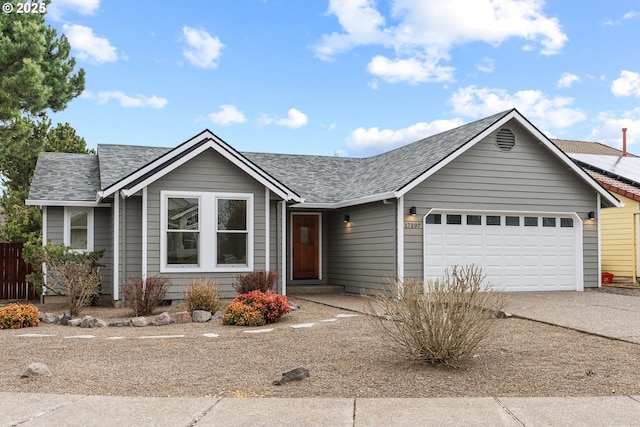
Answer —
131 239
527 178
55 224
362 253
103 239
208 172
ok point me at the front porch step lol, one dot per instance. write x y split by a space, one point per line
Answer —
314 289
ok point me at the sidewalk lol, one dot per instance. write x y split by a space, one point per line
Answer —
614 316
49 410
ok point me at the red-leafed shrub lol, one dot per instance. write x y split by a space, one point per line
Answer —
16 316
269 305
256 281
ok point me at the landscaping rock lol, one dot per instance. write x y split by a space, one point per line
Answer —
92 322
119 324
217 317
49 318
161 319
201 316
64 320
295 374
182 317
74 322
36 369
293 307
139 321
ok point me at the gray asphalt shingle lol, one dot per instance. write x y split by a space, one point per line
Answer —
317 179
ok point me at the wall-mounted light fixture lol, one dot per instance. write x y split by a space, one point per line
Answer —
346 218
591 215
413 210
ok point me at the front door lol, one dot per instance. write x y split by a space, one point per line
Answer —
306 246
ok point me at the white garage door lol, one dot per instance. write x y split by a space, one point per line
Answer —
519 252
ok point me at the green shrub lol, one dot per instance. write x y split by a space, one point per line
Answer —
445 323
243 308
143 296
256 281
203 294
16 316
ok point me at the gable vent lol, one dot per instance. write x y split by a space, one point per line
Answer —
505 139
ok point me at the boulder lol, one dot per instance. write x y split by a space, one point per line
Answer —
201 316
182 317
36 369
92 322
161 319
64 320
139 321
119 324
49 318
217 316
74 322
295 374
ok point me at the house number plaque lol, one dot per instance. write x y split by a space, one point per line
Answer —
412 225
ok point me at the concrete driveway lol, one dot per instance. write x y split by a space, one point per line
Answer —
593 311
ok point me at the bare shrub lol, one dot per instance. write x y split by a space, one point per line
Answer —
262 281
443 324
143 296
70 273
203 294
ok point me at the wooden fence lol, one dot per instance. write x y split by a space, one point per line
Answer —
13 272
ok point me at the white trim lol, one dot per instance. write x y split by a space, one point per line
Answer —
578 227
145 235
267 227
72 203
283 249
210 141
116 248
67 227
400 242
599 231
320 243
207 243
44 243
349 202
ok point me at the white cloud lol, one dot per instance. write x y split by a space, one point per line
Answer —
202 50
57 8
631 14
295 119
628 84
609 130
545 111
567 80
486 65
383 139
423 33
411 70
227 115
127 101
88 46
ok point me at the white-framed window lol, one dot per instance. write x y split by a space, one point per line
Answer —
78 228
206 231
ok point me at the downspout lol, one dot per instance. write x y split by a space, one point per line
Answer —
116 247
598 222
44 243
145 233
267 226
283 248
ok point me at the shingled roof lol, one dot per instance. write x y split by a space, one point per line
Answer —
314 180
587 147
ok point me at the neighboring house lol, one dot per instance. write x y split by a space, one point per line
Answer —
619 173
495 192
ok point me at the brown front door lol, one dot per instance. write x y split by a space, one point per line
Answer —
306 244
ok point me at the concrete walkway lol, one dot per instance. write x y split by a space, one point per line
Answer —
614 316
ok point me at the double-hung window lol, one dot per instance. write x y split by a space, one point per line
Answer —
78 228
203 231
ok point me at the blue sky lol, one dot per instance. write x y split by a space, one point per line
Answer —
352 77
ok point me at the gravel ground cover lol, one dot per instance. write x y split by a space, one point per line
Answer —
345 355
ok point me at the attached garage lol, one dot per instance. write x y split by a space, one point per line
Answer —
519 251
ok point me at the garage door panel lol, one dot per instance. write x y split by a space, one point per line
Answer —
515 258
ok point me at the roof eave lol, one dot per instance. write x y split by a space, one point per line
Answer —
77 203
